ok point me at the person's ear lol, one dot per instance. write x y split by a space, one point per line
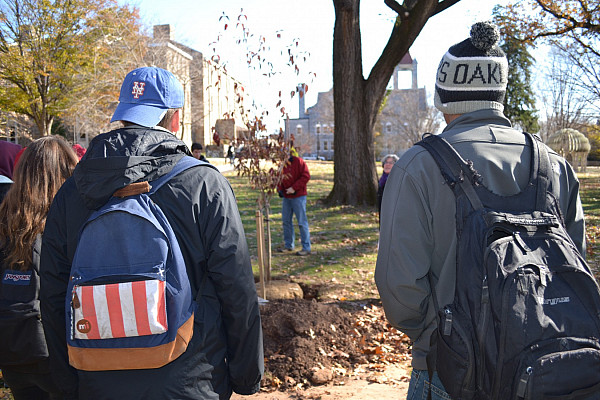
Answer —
175 121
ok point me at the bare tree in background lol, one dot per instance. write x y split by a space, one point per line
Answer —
121 47
570 25
566 104
588 66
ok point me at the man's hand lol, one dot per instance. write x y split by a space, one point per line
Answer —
290 190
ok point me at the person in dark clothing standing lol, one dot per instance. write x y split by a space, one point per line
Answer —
230 154
293 190
44 166
387 163
417 256
197 152
225 353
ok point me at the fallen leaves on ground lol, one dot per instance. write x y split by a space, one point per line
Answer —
310 343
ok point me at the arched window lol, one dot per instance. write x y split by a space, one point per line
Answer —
299 129
318 129
388 127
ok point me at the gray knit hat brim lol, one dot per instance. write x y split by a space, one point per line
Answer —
463 107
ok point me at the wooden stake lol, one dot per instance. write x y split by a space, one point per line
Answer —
260 240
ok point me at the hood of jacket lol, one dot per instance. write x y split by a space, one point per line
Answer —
123 156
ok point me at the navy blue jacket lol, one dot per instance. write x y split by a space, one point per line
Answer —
226 351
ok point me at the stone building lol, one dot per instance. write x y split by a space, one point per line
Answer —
314 128
213 99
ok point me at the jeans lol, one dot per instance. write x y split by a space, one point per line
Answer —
418 388
295 206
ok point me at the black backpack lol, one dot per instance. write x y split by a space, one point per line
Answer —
525 320
21 335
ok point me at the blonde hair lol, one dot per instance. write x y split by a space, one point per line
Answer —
42 169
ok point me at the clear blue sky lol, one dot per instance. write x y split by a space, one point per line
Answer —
196 24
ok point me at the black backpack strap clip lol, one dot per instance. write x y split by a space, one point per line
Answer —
457 172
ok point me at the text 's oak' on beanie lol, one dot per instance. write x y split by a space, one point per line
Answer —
473 73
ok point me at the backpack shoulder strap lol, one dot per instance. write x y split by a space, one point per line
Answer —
540 170
455 170
184 163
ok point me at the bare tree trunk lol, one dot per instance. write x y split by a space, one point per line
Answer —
357 101
355 177
43 124
260 245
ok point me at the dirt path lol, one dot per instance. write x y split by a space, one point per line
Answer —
388 384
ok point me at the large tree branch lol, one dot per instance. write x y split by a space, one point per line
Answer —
586 46
584 23
444 5
400 9
402 37
556 13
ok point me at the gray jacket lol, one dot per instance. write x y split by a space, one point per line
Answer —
418 229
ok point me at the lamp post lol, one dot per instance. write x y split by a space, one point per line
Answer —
318 138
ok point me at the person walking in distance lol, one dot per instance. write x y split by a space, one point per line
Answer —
417 257
231 154
292 189
224 353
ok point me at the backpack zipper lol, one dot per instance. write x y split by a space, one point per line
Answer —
447 321
523 381
485 306
503 333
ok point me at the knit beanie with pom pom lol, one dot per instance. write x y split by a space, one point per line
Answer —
473 73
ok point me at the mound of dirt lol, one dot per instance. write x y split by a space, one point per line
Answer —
310 343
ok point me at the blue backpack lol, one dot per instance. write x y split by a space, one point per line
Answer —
129 302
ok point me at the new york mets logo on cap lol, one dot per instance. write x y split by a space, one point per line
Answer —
146 94
138 89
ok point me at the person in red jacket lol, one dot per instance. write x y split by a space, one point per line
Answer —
293 190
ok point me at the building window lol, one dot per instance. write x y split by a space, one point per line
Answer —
318 129
388 127
299 130
325 128
324 145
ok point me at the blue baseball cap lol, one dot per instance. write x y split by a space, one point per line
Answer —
146 95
